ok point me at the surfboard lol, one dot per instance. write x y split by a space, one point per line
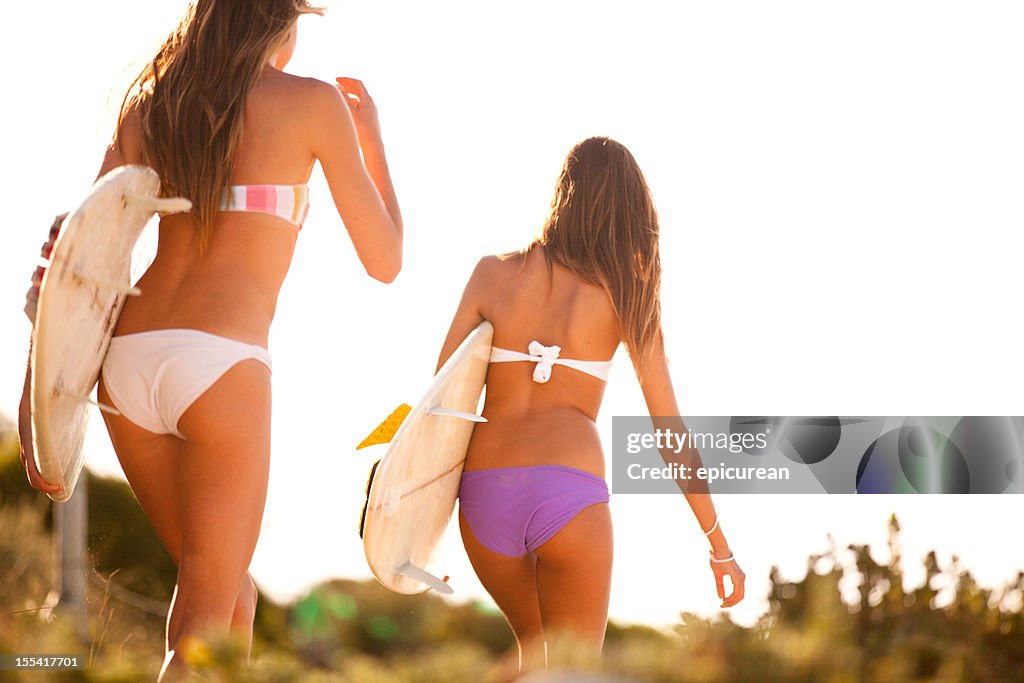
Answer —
413 490
80 299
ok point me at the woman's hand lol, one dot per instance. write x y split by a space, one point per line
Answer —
364 111
735 574
28 459
345 138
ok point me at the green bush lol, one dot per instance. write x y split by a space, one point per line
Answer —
359 631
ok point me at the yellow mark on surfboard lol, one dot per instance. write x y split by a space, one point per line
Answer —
386 429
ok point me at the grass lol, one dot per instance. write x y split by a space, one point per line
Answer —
359 632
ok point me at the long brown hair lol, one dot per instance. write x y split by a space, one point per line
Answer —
603 227
191 96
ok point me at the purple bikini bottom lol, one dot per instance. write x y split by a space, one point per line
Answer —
514 510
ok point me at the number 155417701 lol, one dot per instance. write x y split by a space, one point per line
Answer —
40 662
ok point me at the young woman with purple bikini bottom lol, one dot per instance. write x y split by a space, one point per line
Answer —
533 501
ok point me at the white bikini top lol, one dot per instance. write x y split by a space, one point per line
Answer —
546 357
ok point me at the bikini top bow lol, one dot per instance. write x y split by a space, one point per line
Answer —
545 357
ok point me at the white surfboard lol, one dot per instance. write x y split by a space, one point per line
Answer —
413 491
80 299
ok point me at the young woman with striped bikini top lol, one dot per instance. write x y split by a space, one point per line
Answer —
186 379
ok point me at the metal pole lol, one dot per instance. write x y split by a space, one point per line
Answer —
70 534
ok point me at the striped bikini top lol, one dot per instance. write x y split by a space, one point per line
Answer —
546 357
290 202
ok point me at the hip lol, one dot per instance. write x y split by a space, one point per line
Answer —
554 437
232 318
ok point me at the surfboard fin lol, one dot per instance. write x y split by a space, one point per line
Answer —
128 291
387 429
85 399
161 204
419 574
461 414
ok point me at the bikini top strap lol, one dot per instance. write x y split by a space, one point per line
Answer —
595 368
548 356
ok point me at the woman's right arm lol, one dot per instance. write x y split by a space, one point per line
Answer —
660 396
28 459
468 315
346 139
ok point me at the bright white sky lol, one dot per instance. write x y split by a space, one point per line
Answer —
840 194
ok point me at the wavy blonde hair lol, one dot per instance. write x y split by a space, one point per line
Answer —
191 96
603 227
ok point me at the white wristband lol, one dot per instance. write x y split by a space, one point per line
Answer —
720 560
713 527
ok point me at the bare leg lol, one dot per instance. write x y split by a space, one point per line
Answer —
512 582
225 462
574 582
150 463
153 466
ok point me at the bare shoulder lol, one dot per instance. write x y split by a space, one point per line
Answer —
297 94
496 268
128 142
483 279
320 110
312 92
490 265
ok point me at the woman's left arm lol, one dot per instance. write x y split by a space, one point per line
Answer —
28 459
663 407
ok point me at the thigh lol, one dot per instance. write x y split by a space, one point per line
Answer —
151 464
511 581
574 570
224 472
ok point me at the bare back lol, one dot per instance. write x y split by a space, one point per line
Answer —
531 423
231 289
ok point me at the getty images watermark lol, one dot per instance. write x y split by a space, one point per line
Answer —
728 454
669 442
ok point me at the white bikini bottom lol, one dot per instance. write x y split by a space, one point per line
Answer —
153 377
